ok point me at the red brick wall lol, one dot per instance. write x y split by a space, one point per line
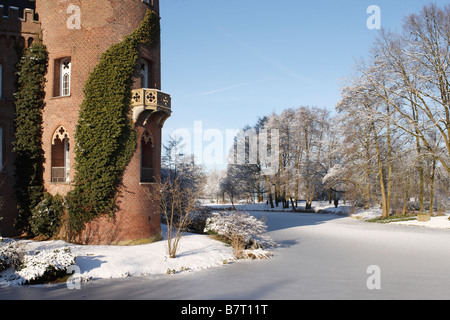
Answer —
103 23
138 217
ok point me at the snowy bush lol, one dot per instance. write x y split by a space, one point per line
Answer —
45 266
11 255
239 229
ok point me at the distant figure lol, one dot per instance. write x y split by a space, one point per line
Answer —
336 202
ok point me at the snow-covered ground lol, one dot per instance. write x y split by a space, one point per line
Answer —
196 252
439 222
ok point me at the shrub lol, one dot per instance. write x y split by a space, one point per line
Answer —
41 267
177 203
46 217
239 229
198 220
11 255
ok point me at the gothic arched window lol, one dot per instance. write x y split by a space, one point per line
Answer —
147 155
60 156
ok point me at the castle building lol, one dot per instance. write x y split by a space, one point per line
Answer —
76 33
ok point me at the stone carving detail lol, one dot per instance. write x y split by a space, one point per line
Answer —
60 134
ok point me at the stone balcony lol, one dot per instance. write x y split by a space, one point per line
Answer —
150 99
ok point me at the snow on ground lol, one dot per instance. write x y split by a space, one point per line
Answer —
196 252
440 222
368 214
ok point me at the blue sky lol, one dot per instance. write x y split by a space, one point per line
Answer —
226 63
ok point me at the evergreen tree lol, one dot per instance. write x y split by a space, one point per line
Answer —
32 69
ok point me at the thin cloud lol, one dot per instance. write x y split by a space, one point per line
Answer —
239 85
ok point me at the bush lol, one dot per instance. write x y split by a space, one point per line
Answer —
239 229
41 267
198 220
11 255
45 266
177 203
46 216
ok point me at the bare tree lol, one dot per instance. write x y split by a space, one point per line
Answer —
239 180
416 65
396 115
177 191
177 206
211 188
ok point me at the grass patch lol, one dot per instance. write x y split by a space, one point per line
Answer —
393 218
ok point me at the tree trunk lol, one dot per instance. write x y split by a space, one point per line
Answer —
389 183
277 195
420 161
406 197
293 206
432 178
385 212
270 192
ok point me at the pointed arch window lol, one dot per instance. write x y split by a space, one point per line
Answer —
147 157
60 156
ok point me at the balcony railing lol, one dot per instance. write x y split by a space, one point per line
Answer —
59 174
150 99
147 175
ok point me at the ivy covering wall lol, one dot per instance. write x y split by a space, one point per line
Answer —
105 136
31 71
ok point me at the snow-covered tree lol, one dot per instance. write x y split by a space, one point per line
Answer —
396 115
211 188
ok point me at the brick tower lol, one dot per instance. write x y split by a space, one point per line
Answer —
18 29
76 33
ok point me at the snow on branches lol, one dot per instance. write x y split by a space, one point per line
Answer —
243 231
46 265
